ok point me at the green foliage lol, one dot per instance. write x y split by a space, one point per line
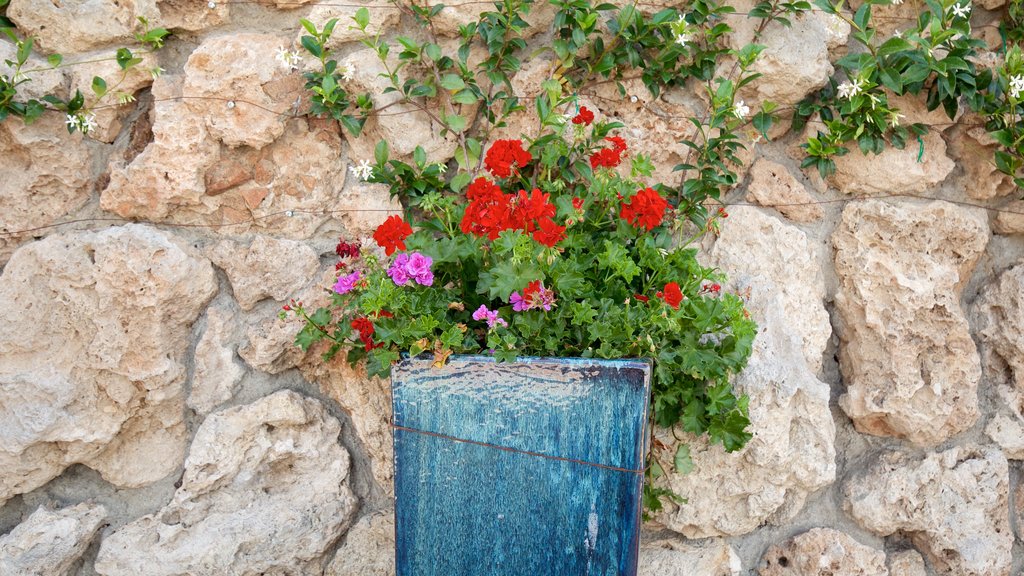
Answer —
327 85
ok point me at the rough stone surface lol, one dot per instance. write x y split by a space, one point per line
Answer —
265 491
973 148
49 542
69 27
369 548
771 185
367 402
894 171
46 176
91 360
766 258
235 67
192 15
998 318
907 563
266 268
217 373
384 16
676 558
1010 220
792 452
952 504
823 552
910 366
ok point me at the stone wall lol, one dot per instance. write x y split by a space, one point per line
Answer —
155 419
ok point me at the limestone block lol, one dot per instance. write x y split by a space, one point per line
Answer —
823 552
49 542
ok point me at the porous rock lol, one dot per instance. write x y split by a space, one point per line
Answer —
909 364
792 452
771 185
823 552
952 504
46 176
1010 219
914 170
70 27
217 373
676 558
906 563
998 318
49 542
266 268
92 357
369 548
192 15
383 17
973 148
240 97
265 491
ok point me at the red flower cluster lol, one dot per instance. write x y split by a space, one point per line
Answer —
391 234
609 157
504 155
365 329
347 250
584 117
491 211
646 209
672 295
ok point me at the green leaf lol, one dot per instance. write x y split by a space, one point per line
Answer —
465 97
455 122
452 82
460 181
311 46
54 60
380 152
362 18
892 46
682 461
99 86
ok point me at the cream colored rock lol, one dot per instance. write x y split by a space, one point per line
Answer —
244 99
791 454
769 260
405 126
771 185
92 358
908 361
998 318
823 552
795 61
270 345
1010 219
217 373
907 563
47 175
365 206
46 81
369 548
192 15
894 171
676 558
70 27
952 504
49 542
974 149
384 16
367 402
266 268
265 491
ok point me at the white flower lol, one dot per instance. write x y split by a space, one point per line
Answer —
87 124
72 121
894 118
1016 86
741 110
897 34
897 2
363 171
849 90
288 59
347 71
961 10
682 39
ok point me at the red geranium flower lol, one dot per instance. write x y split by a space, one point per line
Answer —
391 234
605 157
672 295
504 155
644 210
584 117
618 144
577 203
365 329
549 233
489 210
531 207
641 298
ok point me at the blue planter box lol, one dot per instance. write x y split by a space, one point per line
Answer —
531 468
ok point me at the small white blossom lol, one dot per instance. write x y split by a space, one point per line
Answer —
288 58
88 123
363 170
961 10
347 71
850 89
682 39
894 118
1016 86
897 34
72 121
897 2
741 110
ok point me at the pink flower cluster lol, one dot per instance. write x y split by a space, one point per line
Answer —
535 295
413 266
491 316
346 283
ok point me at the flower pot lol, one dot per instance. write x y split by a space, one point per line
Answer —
533 467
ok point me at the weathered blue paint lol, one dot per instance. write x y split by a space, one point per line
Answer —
531 468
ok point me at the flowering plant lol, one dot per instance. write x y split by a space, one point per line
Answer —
558 249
